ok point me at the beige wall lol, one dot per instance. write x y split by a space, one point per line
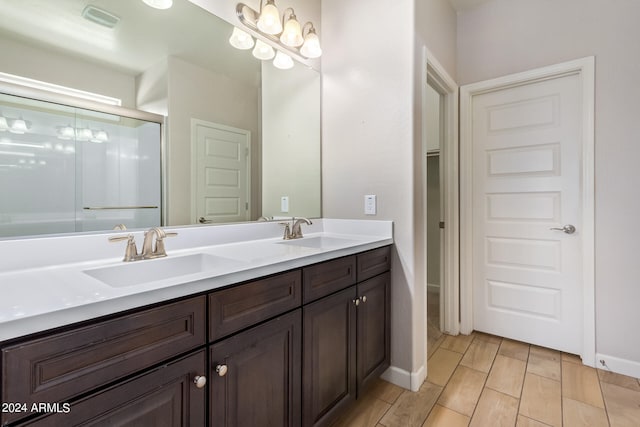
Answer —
507 36
200 94
53 67
372 135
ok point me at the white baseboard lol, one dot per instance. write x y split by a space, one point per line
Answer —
405 379
617 365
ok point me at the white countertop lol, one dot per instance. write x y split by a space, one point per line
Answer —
47 282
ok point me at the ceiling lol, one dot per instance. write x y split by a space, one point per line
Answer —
142 38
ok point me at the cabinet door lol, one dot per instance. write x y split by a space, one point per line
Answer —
374 346
255 375
166 396
328 376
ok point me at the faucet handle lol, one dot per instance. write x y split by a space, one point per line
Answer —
287 230
131 252
160 250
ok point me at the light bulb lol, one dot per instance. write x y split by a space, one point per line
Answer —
240 39
263 51
292 34
283 61
311 47
269 20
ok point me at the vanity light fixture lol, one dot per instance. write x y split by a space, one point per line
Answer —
311 47
285 35
283 61
241 39
159 4
292 33
269 19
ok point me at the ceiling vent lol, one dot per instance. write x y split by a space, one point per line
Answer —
100 17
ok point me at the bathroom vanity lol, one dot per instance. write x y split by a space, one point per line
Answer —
284 337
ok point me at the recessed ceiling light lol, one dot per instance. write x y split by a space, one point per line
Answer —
159 4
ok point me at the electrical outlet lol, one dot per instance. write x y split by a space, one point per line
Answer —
370 204
284 204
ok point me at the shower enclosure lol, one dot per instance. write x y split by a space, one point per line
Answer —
66 169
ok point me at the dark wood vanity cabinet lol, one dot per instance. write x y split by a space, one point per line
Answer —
166 396
346 338
286 350
255 375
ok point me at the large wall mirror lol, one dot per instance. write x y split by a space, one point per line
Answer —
241 138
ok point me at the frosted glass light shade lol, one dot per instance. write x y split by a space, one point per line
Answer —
292 33
84 134
283 61
159 4
240 39
3 124
263 51
311 47
18 126
100 136
66 132
269 20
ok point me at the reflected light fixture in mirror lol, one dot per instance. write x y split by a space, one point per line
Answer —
283 61
263 51
18 126
240 39
159 4
4 126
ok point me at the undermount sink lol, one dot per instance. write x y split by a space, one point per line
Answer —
146 271
319 242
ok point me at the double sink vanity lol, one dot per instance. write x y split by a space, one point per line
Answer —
235 327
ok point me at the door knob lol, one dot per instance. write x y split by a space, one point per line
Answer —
221 370
569 229
200 381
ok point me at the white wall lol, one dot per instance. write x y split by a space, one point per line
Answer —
507 36
290 141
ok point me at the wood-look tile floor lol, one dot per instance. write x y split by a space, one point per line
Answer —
481 380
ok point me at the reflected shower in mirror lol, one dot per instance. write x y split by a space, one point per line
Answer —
178 63
66 169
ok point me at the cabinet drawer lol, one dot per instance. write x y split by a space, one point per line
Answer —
166 396
242 306
373 262
328 277
60 366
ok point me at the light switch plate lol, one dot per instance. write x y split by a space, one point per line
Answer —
370 204
284 204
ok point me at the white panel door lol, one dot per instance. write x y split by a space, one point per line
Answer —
222 173
527 161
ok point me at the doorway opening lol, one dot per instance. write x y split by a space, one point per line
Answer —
441 203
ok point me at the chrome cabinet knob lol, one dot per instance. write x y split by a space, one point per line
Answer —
356 301
221 370
200 381
364 298
569 229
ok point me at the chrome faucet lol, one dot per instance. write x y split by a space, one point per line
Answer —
295 230
148 249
